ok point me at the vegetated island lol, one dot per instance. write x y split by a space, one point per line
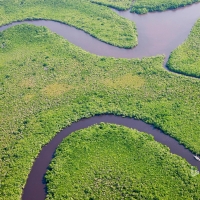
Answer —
47 83
145 6
108 161
98 21
186 58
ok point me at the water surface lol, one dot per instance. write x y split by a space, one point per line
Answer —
35 186
158 33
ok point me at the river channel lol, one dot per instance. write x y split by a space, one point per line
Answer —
158 33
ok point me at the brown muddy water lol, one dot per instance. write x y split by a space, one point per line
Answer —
158 33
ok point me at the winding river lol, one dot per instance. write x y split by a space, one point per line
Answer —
158 33
35 185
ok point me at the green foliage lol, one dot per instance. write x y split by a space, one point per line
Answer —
107 161
144 6
98 21
117 4
186 58
37 101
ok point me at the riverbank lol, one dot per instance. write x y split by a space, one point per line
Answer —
48 83
115 162
100 22
39 169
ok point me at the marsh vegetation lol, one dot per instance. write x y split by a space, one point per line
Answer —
47 83
98 21
186 58
145 6
108 161
117 4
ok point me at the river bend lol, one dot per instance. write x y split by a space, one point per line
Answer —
158 33
35 186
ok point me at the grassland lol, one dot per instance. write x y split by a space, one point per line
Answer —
186 58
117 4
144 6
98 21
107 161
46 83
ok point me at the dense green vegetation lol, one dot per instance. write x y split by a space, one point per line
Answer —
186 58
46 83
144 6
107 161
117 4
98 21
